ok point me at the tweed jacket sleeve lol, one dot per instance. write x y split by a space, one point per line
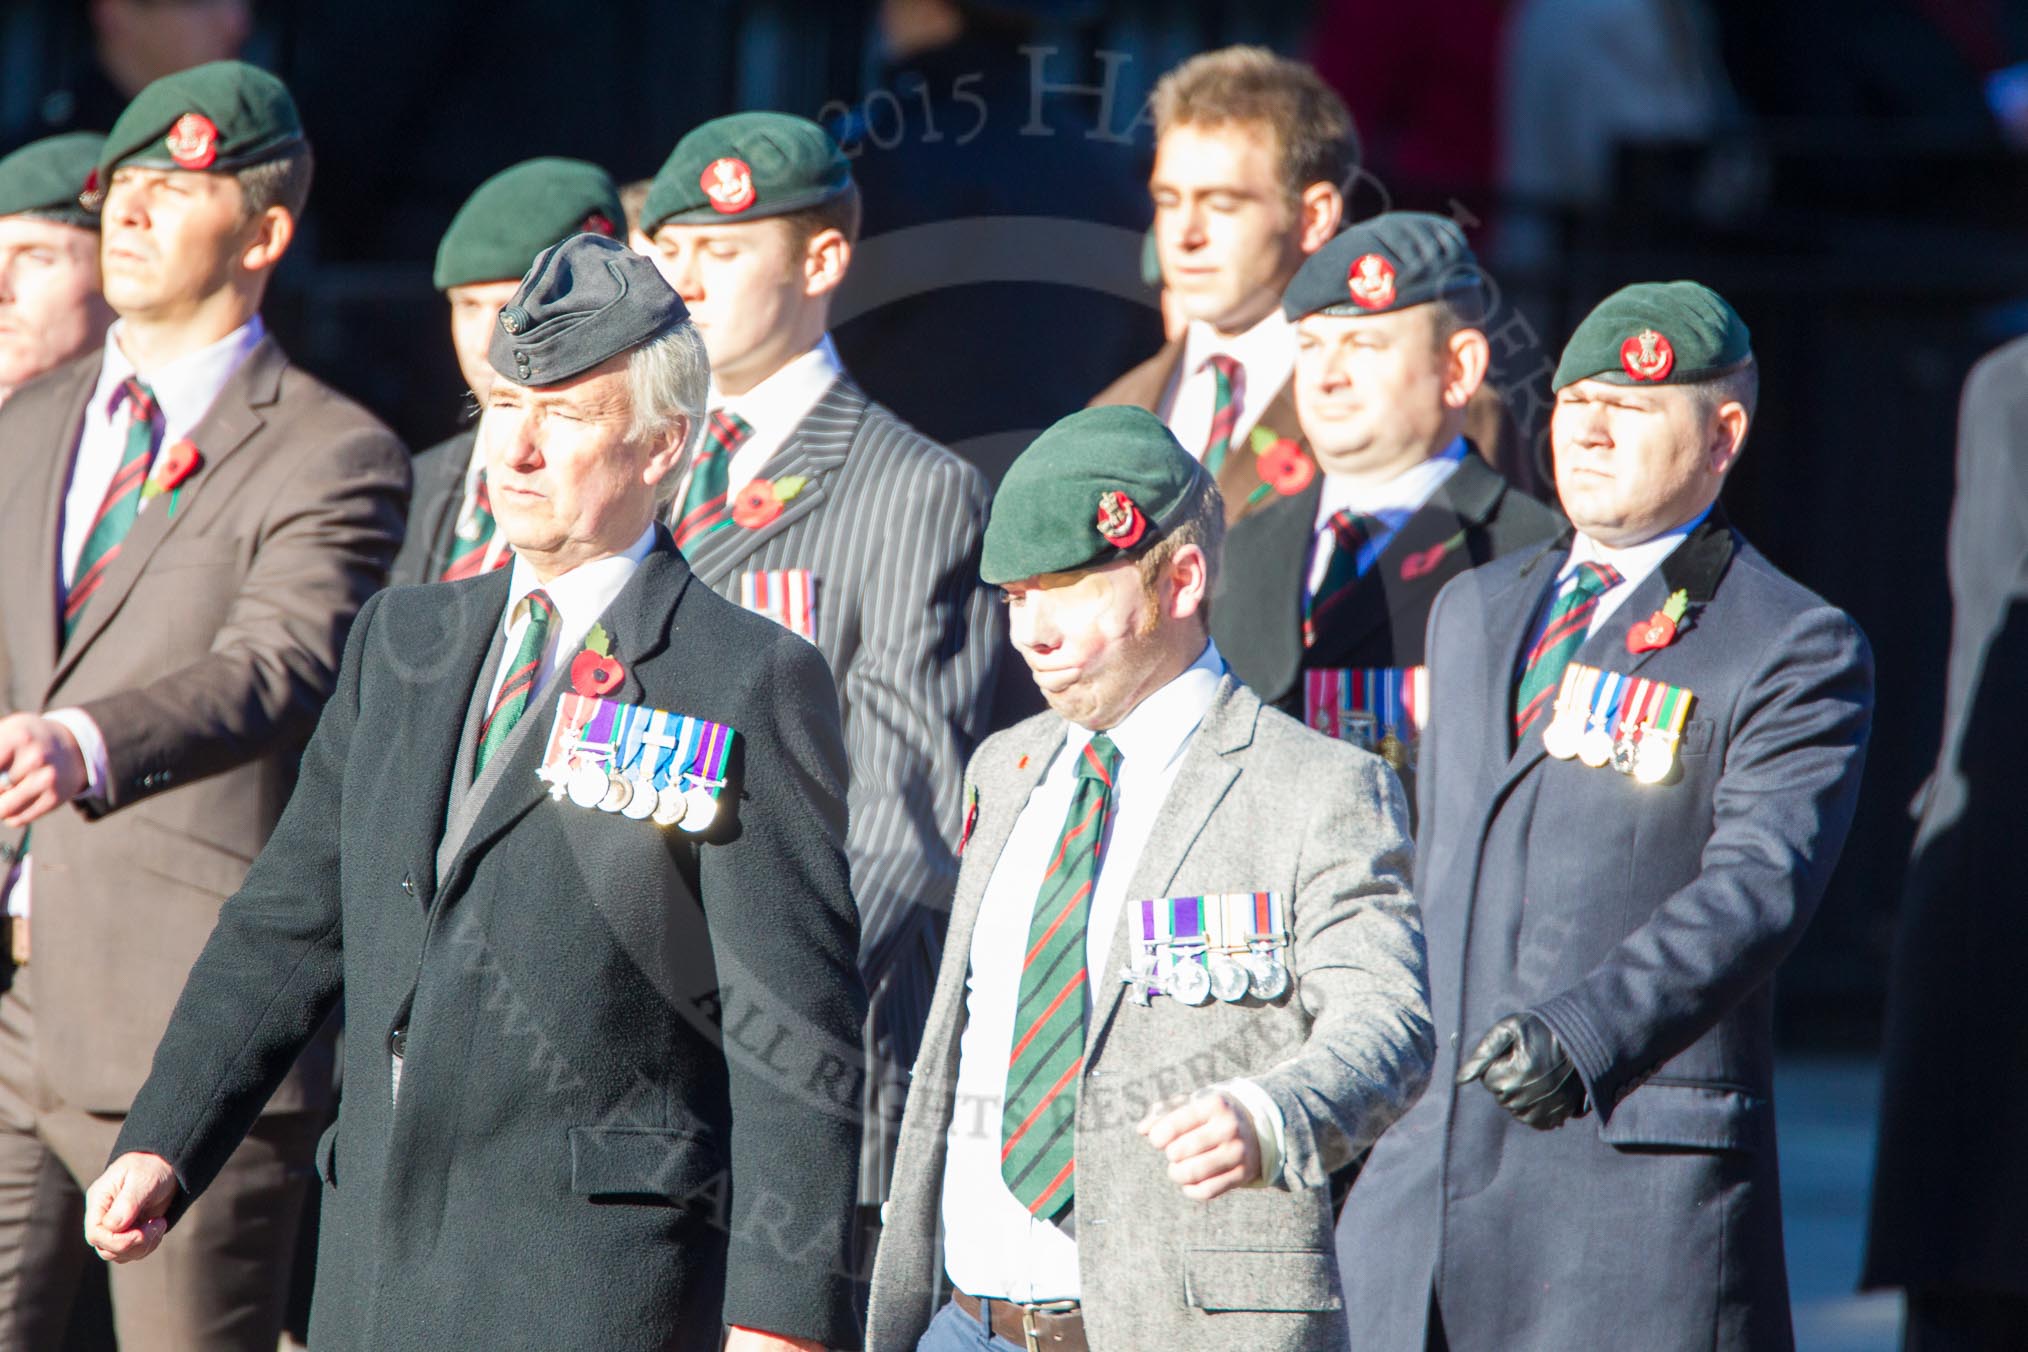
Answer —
1361 971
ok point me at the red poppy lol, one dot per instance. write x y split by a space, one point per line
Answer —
594 674
756 505
1285 468
1423 561
179 462
1657 631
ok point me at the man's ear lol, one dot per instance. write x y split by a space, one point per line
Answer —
668 454
1190 575
1470 355
826 258
1318 213
268 237
1728 436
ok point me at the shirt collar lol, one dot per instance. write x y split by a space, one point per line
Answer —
1155 732
582 594
1269 345
1404 494
186 388
784 398
1633 562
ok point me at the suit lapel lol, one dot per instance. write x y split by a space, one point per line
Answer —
230 422
435 717
1428 551
814 450
1201 784
1239 480
638 621
1695 566
1512 612
1261 616
46 567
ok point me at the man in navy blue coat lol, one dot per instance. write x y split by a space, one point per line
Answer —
1642 764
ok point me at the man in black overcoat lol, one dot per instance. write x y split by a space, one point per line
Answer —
599 985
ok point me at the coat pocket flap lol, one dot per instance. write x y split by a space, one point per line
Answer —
1296 1281
659 1162
1687 1117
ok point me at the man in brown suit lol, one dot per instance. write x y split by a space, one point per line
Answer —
1252 154
188 524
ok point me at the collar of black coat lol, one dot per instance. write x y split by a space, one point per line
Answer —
1693 567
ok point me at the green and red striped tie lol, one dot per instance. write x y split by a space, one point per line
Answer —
469 558
122 501
1562 635
1228 387
705 506
1351 532
519 686
1038 1122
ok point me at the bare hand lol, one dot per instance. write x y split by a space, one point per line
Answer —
43 767
124 1210
1209 1141
753 1340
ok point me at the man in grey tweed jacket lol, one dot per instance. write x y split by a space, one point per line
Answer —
807 502
1184 978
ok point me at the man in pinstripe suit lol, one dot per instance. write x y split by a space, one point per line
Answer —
813 505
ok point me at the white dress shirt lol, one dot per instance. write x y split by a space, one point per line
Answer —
580 597
992 1245
1393 503
1634 563
184 390
1266 354
776 407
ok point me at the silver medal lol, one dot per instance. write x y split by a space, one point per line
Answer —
1266 976
1189 981
588 785
670 806
618 793
700 810
643 802
1228 980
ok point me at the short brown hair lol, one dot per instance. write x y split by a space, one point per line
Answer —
841 213
1309 122
283 182
1200 521
633 197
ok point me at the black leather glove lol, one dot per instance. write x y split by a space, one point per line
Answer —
1522 1063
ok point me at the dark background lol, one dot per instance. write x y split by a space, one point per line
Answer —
1857 201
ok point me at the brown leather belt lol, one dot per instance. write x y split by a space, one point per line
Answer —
1055 1326
17 939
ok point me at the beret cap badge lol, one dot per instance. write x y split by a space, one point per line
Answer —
1371 282
192 141
1648 356
728 183
1120 520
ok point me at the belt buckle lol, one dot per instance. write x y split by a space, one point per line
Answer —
1031 1331
17 939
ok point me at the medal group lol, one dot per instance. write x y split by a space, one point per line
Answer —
1378 709
643 764
1192 948
1632 723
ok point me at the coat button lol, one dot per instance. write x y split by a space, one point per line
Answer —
408 884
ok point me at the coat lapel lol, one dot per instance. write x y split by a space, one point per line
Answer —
1239 478
433 716
638 621
232 419
1430 549
1261 616
1695 566
46 567
818 447
1201 784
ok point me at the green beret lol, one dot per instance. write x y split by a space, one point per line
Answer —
223 116
1656 333
1097 486
584 302
1389 262
45 177
745 167
521 211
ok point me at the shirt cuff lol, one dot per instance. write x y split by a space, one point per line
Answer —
91 743
1268 1128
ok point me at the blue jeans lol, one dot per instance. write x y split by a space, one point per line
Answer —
955 1331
